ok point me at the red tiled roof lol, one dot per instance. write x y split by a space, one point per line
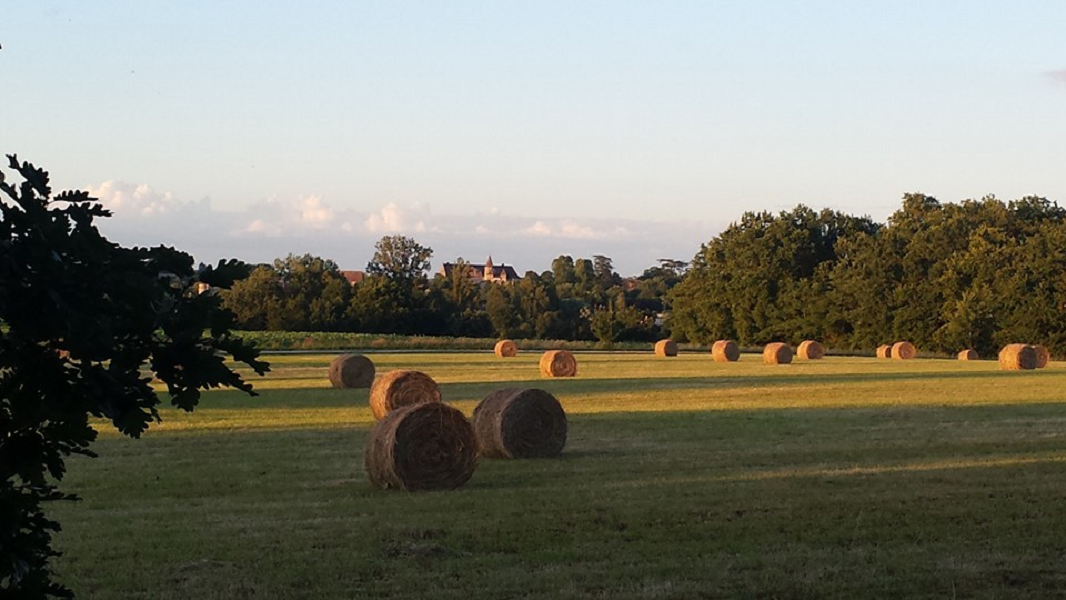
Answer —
353 277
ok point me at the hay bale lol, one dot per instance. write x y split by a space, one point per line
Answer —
402 388
351 371
520 423
1042 356
505 349
811 350
428 446
1017 357
777 353
968 354
725 351
558 363
884 351
666 348
903 351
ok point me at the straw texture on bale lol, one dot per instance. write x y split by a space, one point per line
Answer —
666 348
520 423
351 371
884 351
1017 357
968 354
810 350
558 363
429 446
1042 356
505 349
777 353
903 351
725 351
402 388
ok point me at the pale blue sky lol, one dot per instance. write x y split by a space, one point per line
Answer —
526 129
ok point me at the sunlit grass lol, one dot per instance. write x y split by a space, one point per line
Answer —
682 478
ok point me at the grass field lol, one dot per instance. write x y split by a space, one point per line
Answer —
682 478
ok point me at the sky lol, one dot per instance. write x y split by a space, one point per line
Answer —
524 130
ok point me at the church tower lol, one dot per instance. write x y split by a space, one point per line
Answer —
488 269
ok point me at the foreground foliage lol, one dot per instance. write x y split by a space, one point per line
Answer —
81 318
681 478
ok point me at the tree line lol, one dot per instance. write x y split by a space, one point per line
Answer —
582 299
946 276
977 274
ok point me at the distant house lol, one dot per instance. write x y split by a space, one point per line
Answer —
353 277
487 272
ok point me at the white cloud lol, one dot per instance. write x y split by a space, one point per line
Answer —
127 199
570 229
275 227
260 226
282 216
565 228
314 212
394 218
540 228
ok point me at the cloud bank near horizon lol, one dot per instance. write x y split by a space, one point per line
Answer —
275 227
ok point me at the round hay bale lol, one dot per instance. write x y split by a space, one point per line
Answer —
884 351
666 348
558 363
903 351
725 351
777 353
1042 356
520 423
1017 357
351 371
402 388
811 350
428 446
505 349
968 354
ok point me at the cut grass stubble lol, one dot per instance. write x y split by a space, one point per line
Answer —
844 477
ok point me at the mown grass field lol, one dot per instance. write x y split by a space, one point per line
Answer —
682 478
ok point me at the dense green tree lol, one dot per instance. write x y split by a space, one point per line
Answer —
503 307
976 274
458 301
297 293
757 281
563 276
395 296
384 305
527 308
83 319
400 258
603 270
586 286
649 294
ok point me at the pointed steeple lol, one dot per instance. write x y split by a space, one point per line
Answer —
488 268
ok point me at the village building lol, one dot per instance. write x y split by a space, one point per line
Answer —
487 272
